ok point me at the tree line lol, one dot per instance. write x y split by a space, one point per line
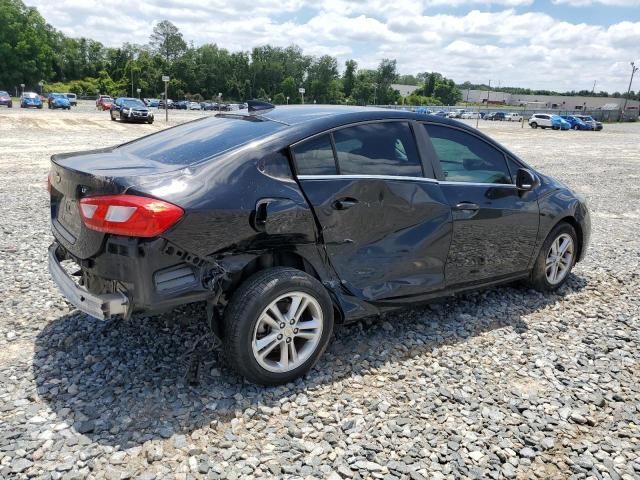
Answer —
32 51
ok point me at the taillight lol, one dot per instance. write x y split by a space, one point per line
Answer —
129 215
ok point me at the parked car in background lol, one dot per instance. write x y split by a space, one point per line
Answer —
73 99
576 123
470 115
513 117
395 209
457 113
30 100
169 104
440 113
194 106
58 100
422 110
130 110
542 120
5 99
208 105
152 102
181 105
590 121
558 123
495 116
104 102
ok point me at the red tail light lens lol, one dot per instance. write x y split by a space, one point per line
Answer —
129 215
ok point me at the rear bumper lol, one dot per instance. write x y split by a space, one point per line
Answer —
98 306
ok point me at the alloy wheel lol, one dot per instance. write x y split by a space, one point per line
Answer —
559 259
288 332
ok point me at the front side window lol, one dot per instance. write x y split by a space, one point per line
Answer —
315 157
466 158
385 148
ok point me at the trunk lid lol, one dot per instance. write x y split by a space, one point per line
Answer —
78 175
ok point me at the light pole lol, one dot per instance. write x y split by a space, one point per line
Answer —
219 100
41 84
287 100
138 90
634 69
22 89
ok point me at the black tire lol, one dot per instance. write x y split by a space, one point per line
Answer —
10 105
113 119
150 121
534 125
246 305
538 278
575 127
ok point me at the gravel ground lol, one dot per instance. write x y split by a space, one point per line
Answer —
505 383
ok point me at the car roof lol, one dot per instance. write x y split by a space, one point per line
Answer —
327 116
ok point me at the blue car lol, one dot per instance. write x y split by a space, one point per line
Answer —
558 123
576 123
422 110
58 100
30 100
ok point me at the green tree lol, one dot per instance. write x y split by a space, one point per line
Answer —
289 89
167 40
349 77
26 53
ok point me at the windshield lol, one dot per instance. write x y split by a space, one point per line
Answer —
196 141
3 93
30 95
58 95
133 103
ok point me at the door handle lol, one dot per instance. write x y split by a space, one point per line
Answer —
344 203
467 206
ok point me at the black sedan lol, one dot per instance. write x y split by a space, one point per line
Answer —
130 110
286 220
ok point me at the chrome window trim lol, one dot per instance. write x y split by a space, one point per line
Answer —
399 177
444 182
367 177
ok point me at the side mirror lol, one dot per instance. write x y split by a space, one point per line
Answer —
525 180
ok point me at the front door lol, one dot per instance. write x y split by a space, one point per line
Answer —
494 224
386 226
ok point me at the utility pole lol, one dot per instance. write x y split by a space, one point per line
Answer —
132 74
593 90
634 69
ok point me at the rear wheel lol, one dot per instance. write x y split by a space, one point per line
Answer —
556 258
277 325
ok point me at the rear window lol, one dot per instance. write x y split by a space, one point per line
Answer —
194 142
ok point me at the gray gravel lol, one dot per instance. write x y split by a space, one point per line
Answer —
505 383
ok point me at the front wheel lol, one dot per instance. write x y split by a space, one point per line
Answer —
556 258
277 325
150 121
534 125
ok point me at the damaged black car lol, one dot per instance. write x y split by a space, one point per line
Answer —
287 220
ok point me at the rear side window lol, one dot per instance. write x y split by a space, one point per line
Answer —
315 157
385 148
200 140
466 158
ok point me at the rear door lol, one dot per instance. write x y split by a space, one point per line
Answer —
385 223
494 224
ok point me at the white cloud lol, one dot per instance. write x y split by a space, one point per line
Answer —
586 3
519 49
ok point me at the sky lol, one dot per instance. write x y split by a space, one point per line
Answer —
543 44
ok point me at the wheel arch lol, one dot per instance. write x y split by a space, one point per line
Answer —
282 258
571 220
